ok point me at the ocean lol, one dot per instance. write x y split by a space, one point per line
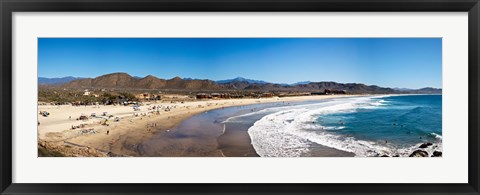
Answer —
366 126
360 126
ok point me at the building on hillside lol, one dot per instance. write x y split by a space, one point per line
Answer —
142 96
317 93
334 91
216 95
237 96
202 96
213 96
225 95
148 97
267 95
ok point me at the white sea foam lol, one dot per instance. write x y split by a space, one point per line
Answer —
437 146
276 109
233 118
437 137
289 131
374 104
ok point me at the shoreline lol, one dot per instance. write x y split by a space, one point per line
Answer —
125 137
236 141
276 133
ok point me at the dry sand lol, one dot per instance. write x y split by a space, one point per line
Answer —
125 135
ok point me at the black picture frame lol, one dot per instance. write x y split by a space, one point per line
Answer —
10 6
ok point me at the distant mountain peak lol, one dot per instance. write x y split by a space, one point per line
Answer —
241 79
116 73
402 89
55 81
430 88
151 77
301 83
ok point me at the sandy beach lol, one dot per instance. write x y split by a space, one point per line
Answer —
125 136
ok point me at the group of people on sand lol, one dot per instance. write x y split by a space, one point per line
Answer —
151 125
44 113
78 126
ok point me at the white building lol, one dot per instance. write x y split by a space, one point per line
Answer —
87 92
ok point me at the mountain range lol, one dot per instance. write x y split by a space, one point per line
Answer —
51 81
125 81
241 79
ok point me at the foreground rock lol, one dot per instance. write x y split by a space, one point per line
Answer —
437 154
60 149
425 145
419 153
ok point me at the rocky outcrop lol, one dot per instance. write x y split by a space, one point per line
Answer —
419 153
59 149
425 145
437 154
427 150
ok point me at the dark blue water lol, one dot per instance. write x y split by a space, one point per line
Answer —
401 121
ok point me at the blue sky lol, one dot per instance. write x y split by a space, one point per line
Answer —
387 62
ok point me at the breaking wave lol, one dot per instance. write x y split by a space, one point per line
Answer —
289 131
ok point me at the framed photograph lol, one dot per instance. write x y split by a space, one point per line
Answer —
239 97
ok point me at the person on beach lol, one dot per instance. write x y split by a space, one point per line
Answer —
108 132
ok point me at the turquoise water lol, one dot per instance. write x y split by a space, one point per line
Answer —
401 121
366 126
360 125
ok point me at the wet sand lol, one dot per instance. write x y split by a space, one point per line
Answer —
207 134
202 135
236 141
195 137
